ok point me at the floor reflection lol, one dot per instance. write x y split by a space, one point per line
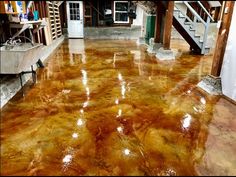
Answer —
107 107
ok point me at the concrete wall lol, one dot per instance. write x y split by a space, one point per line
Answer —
132 32
139 17
228 72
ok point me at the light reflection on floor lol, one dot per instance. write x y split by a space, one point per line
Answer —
107 107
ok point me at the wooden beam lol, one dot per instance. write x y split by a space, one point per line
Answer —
168 24
157 35
222 40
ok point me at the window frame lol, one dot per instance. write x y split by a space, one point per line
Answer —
114 15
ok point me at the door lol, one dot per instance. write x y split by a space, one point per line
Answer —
75 19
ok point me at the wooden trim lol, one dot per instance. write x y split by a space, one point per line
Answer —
229 99
168 25
222 40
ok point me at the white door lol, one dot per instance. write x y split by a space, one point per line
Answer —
75 19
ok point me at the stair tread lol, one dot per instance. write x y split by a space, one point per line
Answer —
181 16
187 23
195 40
176 9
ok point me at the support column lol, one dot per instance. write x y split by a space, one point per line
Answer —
212 83
158 26
168 25
165 53
156 42
222 39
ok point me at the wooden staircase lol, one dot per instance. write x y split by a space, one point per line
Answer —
186 24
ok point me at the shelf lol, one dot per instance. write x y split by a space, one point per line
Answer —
10 13
32 22
54 17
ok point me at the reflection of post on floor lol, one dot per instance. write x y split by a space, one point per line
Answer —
222 39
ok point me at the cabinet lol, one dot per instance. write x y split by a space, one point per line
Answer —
12 7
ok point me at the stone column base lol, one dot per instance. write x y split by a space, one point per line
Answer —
153 47
211 85
163 54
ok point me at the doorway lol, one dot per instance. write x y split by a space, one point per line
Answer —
75 19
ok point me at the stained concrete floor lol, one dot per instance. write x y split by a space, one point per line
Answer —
107 107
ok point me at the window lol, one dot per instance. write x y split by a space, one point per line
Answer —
74 11
121 12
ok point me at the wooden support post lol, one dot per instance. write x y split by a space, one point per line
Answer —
222 39
157 35
168 24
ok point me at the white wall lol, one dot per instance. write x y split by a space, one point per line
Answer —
139 16
228 72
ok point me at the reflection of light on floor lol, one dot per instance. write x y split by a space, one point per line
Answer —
85 104
119 113
120 77
85 79
203 100
117 101
195 109
123 90
119 129
80 122
87 91
187 119
126 151
67 158
66 91
75 135
81 111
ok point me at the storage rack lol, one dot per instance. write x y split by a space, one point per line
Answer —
54 19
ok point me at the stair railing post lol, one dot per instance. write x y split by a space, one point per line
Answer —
194 21
205 35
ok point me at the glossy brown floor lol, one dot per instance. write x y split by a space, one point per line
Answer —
109 108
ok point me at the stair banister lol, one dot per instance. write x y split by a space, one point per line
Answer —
205 35
209 15
194 12
209 19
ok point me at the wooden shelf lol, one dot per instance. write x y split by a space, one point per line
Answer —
54 16
10 13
